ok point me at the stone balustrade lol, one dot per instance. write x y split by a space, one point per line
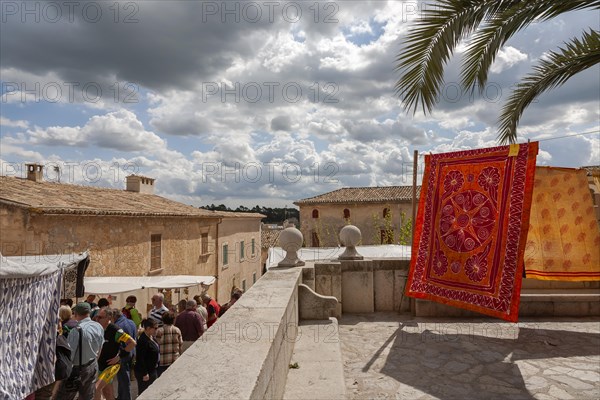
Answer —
246 354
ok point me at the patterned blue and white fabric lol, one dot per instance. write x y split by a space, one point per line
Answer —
28 321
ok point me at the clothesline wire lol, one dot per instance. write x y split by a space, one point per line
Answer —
544 140
566 136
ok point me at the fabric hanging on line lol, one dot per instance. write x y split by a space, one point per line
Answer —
564 240
69 283
471 229
73 279
29 319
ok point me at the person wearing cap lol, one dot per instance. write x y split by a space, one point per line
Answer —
131 312
92 337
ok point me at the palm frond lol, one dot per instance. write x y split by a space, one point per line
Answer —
488 40
432 41
577 55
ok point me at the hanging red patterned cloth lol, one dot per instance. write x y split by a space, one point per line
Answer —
471 229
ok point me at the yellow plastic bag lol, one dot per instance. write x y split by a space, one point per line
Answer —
109 373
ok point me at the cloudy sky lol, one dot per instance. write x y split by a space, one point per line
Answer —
247 103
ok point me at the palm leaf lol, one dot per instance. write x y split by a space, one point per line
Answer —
577 55
488 40
432 41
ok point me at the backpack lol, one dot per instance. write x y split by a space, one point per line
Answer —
66 331
63 365
125 311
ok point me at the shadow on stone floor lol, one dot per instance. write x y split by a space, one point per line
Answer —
454 361
394 317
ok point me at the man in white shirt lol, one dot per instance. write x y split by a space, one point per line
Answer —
92 338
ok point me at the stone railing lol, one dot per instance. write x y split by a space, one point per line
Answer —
246 354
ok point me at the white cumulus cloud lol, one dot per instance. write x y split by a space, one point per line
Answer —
506 58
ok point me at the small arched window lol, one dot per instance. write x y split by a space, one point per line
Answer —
315 213
386 212
346 213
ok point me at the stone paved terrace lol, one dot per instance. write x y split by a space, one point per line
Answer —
393 356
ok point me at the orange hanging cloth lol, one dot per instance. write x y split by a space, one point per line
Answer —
471 229
564 239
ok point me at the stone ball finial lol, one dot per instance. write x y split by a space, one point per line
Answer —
350 237
290 240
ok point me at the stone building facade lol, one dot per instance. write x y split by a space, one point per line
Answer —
383 214
239 253
128 232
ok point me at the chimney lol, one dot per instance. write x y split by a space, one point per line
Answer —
140 184
35 172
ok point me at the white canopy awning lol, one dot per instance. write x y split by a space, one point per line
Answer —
25 266
122 284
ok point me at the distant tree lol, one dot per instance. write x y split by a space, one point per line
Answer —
273 215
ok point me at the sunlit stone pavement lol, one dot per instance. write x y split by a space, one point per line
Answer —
392 356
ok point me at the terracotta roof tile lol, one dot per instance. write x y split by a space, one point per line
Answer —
60 198
363 195
269 237
237 214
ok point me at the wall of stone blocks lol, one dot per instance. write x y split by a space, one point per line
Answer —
367 217
119 246
364 286
234 231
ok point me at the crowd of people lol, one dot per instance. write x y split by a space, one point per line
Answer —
106 342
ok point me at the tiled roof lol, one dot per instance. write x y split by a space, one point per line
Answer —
60 198
268 237
237 214
363 195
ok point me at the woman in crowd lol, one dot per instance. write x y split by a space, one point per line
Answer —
147 355
169 340
68 323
